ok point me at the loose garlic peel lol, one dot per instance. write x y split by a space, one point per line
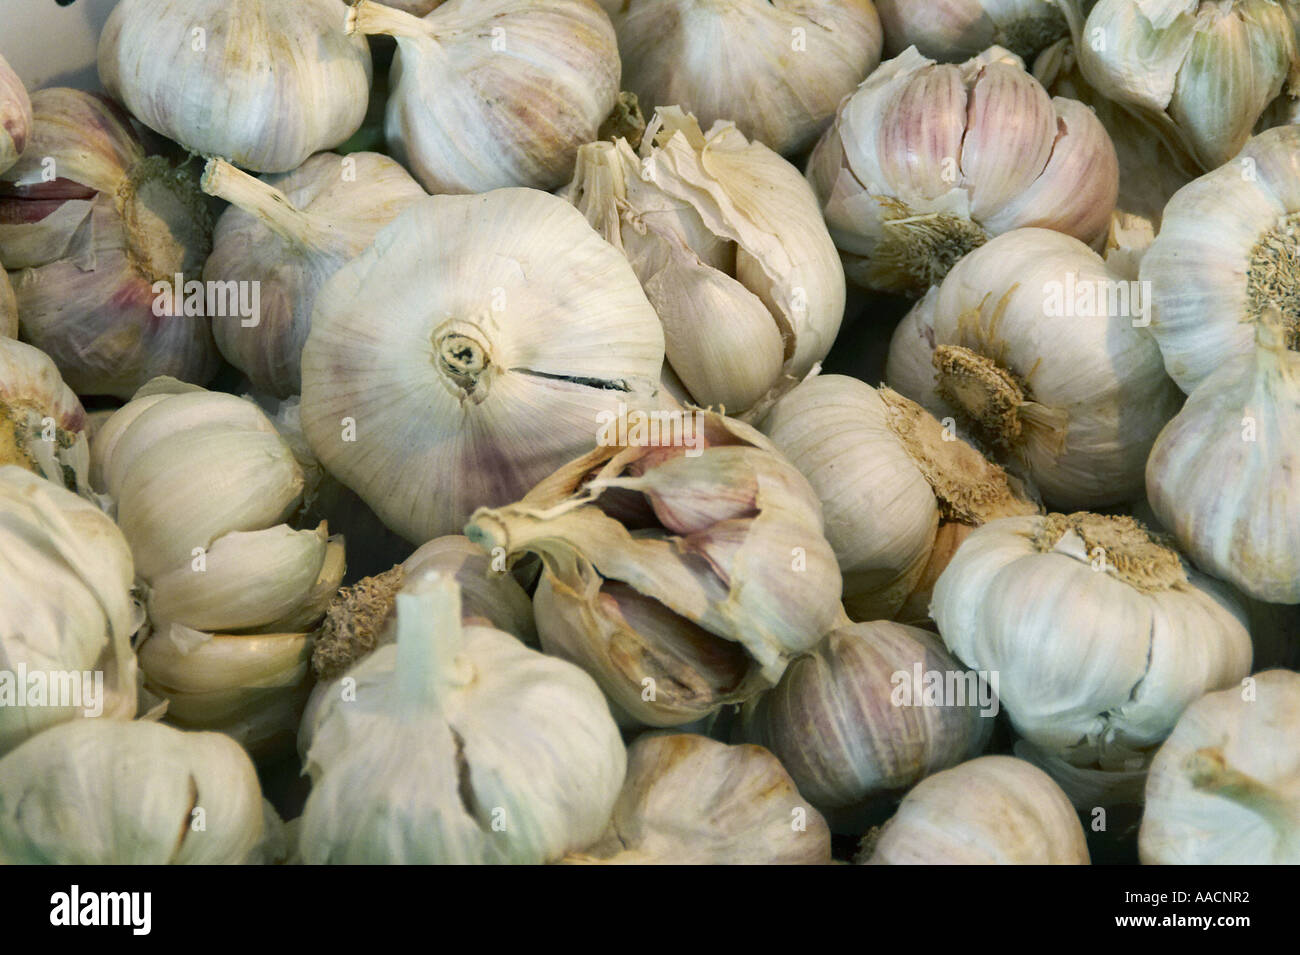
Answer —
42 423
15 117
954 30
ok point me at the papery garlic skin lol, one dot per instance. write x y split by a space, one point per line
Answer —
1100 634
494 93
1224 789
954 30
1036 348
777 70
926 161
995 810
8 308
15 116
42 423
261 83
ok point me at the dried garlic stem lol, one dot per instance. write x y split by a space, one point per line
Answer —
269 204
1209 772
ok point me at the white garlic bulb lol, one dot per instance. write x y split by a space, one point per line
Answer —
471 351
65 586
494 93
777 70
995 810
954 30
926 161
730 247
15 116
1035 347
1224 475
1225 254
1100 633
132 793
1224 789
261 83
458 745
287 235
42 424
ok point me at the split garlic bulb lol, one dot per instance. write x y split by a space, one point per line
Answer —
1201 71
458 745
1100 633
471 351
995 810
90 225
886 473
777 70
288 234
132 793
1224 789
926 161
65 586
1224 475
730 247
495 93
1226 253
954 30
262 83
15 116
1035 346
42 424
690 800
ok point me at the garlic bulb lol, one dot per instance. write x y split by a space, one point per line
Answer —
886 473
458 745
925 162
15 116
92 229
495 93
1225 787
261 83
65 586
469 352
132 793
1224 475
1200 71
1100 632
873 709
42 424
953 30
777 70
995 810
286 235
690 800
730 247
1226 253
1035 347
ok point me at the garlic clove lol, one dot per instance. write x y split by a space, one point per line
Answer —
15 116
42 424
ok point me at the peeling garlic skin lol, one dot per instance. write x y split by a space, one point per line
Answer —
15 118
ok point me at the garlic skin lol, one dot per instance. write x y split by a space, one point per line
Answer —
289 234
1200 72
777 70
15 116
85 250
1225 254
458 745
927 161
42 424
954 30
1101 634
494 93
1035 347
729 245
690 800
1224 475
8 308
260 83
65 584
130 793
1224 789
473 347
995 810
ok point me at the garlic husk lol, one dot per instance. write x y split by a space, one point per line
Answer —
15 116
131 793
995 810
91 227
458 745
1223 474
955 30
287 235
776 70
469 352
1036 348
261 83
1224 789
690 800
42 424
8 307
495 93
927 161
1101 634
65 585
1090 786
